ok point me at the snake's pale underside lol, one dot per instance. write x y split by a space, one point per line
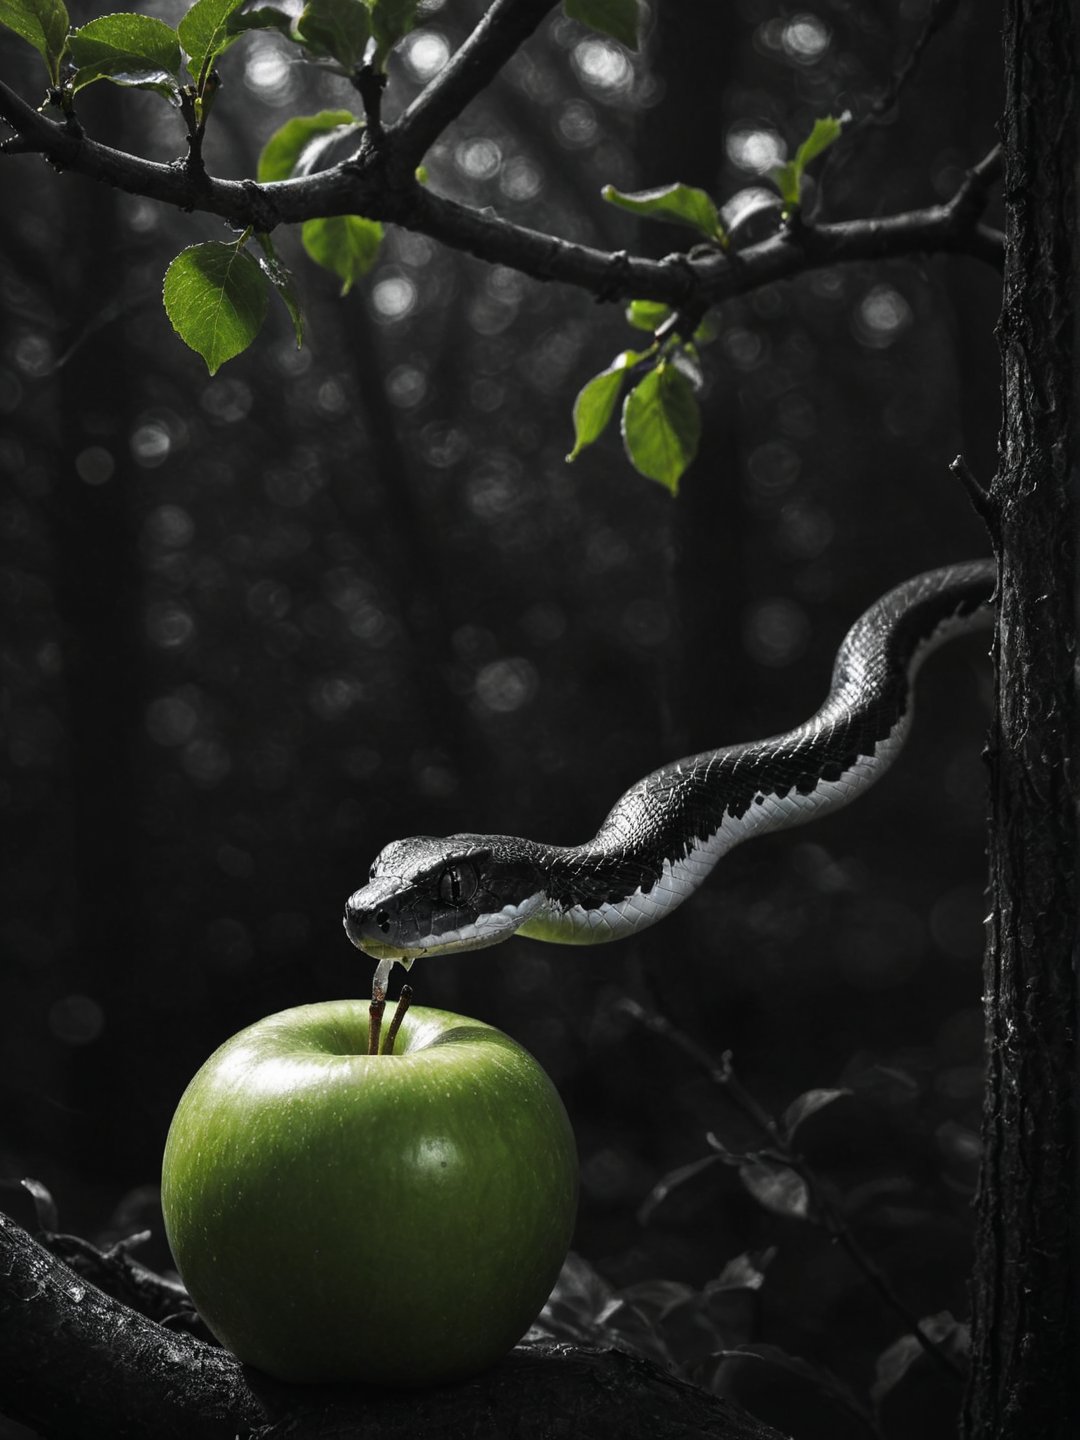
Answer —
661 839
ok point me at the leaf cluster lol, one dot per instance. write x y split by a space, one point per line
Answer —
661 418
215 294
706 1334
144 52
776 1174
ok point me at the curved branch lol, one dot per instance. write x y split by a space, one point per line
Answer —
937 17
376 183
73 1361
175 184
970 199
79 1365
681 280
470 70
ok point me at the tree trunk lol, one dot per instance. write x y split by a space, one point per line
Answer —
1025 1378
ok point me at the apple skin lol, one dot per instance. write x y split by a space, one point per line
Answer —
397 1219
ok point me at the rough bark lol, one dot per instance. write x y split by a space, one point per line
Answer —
77 1364
1025 1379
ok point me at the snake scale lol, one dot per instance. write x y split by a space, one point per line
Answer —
663 836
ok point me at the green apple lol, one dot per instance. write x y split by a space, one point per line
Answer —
396 1218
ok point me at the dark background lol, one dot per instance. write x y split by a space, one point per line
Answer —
255 627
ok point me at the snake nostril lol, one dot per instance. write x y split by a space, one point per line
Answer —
382 919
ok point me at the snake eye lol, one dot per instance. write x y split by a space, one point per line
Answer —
457 884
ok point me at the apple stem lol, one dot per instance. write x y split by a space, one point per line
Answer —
395 1023
378 1005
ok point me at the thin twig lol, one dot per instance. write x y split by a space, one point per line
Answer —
940 11
708 280
723 1075
720 1072
970 199
375 1018
120 1275
369 84
471 69
980 498
395 1024
939 14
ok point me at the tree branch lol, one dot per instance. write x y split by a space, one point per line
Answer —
75 1362
939 14
376 184
984 505
470 70
969 202
81 1366
681 281
119 1274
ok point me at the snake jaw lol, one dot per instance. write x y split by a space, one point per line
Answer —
363 929
432 897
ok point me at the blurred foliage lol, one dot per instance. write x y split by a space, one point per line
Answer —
258 626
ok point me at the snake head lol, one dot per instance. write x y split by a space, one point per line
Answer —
429 896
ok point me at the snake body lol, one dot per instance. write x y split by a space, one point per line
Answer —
664 835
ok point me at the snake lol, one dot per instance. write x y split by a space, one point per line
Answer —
428 895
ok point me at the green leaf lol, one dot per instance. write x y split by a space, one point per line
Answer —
135 50
266 17
215 298
647 314
44 24
391 21
621 19
681 204
205 32
708 330
686 359
281 277
788 178
595 403
338 28
282 152
346 245
661 425
825 133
